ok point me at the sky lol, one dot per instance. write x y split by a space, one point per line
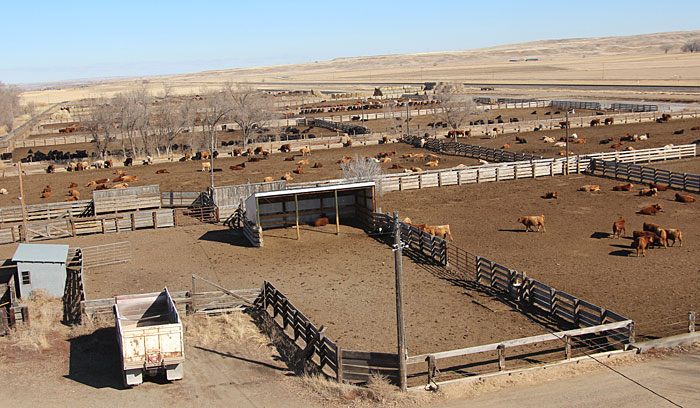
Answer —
45 41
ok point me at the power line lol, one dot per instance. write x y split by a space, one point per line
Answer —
622 375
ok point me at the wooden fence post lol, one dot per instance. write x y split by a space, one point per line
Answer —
4 327
567 347
577 312
691 322
631 333
133 222
501 357
339 365
25 315
12 317
155 220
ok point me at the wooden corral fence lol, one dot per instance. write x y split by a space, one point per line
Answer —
189 302
197 215
471 174
529 294
415 238
11 312
344 365
107 254
131 221
252 232
47 211
174 199
126 199
644 155
74 292
228 198
644 174
474 151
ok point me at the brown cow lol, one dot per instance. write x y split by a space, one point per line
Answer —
299 170
162 171
74 193
286 148
72 185
303 162
91 184
102 187
317 165
551 195
658 187
321 221
623 187
654 238
237 152
589 188
289 158
619 228
640 243
132 178
238 167
46 194
673 235
532 221
649 192
268 179
651 210
684 198
440 231
287 177
51 169
304 151
102 181
121 185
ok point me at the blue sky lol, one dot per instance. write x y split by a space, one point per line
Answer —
60 40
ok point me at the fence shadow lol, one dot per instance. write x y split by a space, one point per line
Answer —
247 360
94 360
289 352
512 230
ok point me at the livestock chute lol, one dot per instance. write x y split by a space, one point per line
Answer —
351 203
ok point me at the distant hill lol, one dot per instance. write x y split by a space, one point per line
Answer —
636 59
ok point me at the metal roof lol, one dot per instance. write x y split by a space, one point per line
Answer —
307 190
41 253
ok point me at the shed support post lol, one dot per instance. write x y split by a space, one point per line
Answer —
296 208
337 216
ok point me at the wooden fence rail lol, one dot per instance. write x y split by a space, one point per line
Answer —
186 302
107 254
316 342
644 174
530 294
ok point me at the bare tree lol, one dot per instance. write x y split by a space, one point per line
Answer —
363 169
9 105
101 122
456 107
171 118
249 108
691 46
128 119
666 48
212 111
143 101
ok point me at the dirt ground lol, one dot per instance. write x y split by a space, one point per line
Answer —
187 176
576 253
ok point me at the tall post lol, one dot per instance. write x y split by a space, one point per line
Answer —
211 158
567 142
24 208
408 119
400 328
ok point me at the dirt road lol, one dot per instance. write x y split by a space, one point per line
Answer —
675 378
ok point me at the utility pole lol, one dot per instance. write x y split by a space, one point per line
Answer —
567 140
408 119
24 208
400 327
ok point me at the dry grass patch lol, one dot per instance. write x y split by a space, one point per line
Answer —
377 392
235 327
45 314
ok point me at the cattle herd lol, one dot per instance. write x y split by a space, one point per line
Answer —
650 235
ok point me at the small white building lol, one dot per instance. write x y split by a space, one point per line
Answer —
41 266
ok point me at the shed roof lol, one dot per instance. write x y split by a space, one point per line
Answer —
307 190
41 253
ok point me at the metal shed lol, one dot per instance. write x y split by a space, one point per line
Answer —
41 266
284 208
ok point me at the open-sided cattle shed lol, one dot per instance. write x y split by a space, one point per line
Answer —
351 203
